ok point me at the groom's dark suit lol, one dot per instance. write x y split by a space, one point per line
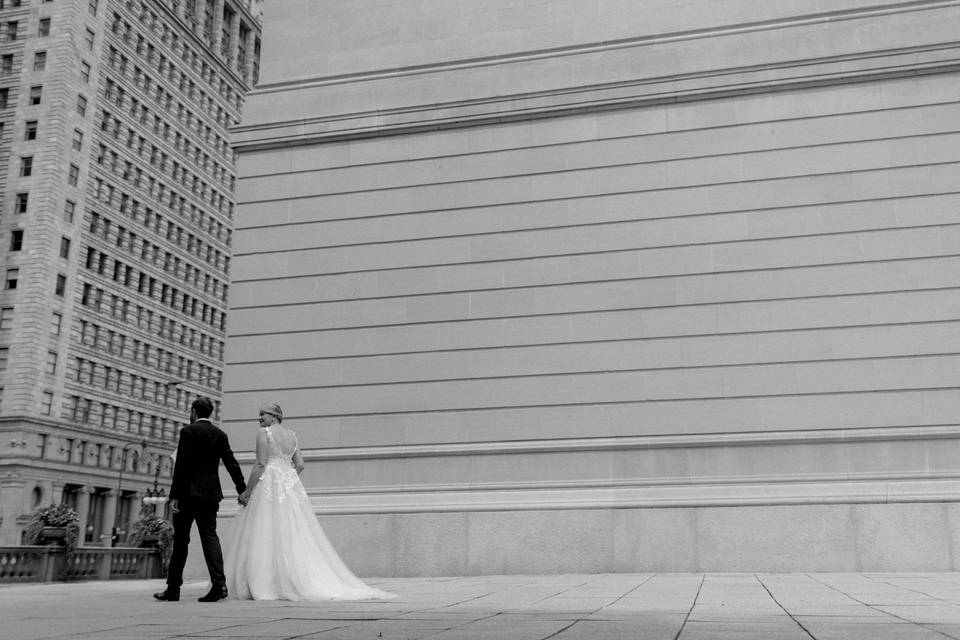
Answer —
196 489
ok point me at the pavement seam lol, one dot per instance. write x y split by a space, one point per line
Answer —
783 608
879 610
703 578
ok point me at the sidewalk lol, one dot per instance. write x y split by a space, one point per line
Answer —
841 606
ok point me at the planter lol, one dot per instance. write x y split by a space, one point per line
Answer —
150 540
53 536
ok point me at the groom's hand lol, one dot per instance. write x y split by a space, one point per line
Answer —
174 505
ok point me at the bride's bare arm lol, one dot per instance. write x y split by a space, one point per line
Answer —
258 466
298 461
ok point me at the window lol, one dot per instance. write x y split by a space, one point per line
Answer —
4 357
77 140
36 93
81 106
46 403
20 205
30 131
61 285
85 71
65 247
92 7
81 409
11 31
90 39
56 323
16 240
74 175
44 28
69 208
26 166
6 64
39 60
51 368
12 276
6 318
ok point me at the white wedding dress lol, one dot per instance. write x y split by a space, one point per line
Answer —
277 549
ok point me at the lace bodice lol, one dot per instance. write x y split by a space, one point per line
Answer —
280 479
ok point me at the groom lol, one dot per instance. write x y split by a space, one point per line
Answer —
195 495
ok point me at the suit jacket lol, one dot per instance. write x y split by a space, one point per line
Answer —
196 472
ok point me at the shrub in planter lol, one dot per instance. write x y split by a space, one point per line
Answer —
44 522
152 530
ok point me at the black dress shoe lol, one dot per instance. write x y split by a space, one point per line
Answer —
168 595
215 593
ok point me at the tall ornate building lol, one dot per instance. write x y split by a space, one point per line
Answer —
117 179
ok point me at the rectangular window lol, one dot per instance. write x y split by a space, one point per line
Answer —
81 106
46 403
69 209
6 64
92 7
61 285
36 94
30 130
56 323
73 176
16 240
4 96
51 368
85 71
4 357
44 28
77 140
65 247
11 31
90 39
39 60
21 202
12 276
6 318
26 166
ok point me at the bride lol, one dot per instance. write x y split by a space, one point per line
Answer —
277 549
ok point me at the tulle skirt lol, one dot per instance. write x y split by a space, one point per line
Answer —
277 550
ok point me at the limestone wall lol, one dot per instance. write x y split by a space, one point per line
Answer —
608 286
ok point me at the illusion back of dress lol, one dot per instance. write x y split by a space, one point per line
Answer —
282 443
279 478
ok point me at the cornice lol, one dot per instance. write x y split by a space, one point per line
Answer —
645 92
807 51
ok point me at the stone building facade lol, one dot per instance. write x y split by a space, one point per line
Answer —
117 180
602 286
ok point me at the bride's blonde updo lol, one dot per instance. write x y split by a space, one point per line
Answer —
272 409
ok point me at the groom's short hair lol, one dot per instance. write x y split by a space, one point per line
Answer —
202 406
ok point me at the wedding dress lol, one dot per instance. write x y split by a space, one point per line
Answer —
277 549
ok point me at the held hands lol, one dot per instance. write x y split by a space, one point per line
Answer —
174 505
244 498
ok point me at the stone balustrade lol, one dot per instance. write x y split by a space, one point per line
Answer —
49 564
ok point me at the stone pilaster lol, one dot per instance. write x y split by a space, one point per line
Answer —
109 517
83 511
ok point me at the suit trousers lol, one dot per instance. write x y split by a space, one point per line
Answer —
203 511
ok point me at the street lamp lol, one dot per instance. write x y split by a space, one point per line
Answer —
155 496
117 531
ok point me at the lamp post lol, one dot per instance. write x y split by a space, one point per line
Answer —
156 496
116 532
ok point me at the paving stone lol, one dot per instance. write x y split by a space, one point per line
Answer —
912 606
